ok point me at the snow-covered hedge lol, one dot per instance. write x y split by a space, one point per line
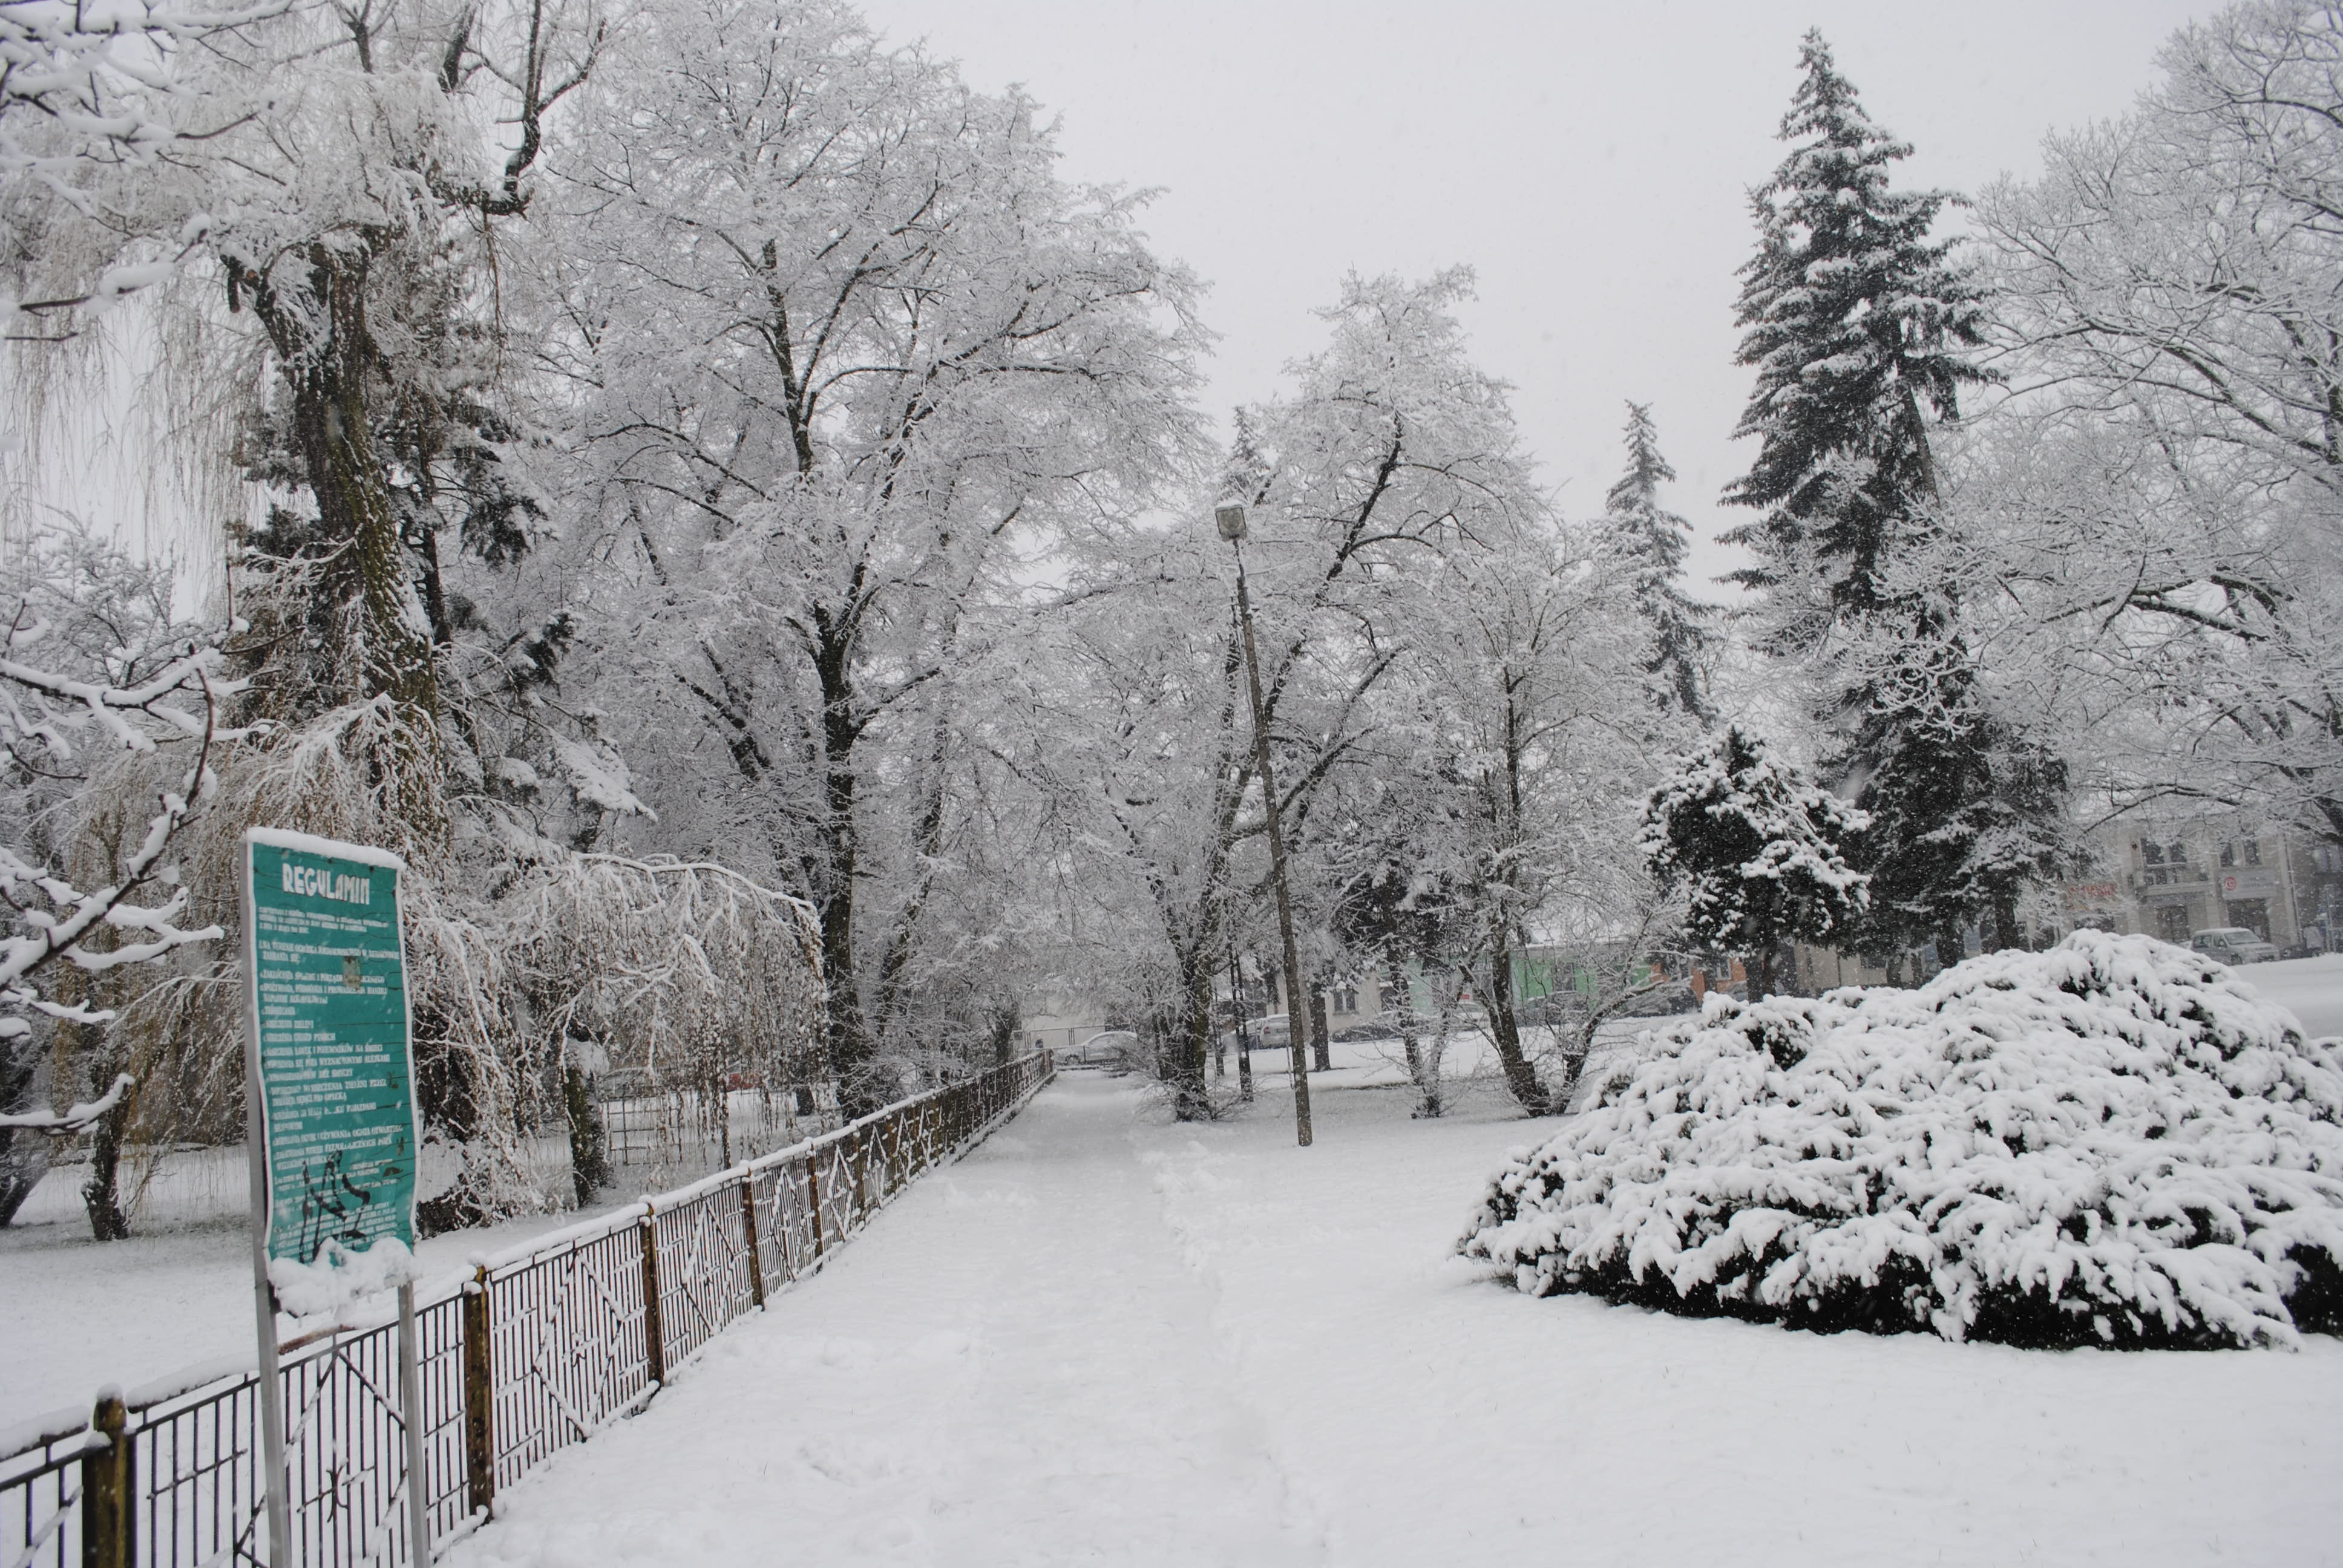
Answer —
2113 1142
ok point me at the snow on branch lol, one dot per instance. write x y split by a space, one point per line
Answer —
74 1118
42 711
88 88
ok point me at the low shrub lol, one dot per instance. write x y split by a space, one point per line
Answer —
2112 1142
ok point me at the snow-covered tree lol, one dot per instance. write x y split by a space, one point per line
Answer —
1856 322
2170 481
1388 496
1858 325
364 227
90 92
1756 849
1652 541
109 731
848 355
1527 733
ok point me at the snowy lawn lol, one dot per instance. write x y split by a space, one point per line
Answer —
2310 989
1105 1338
75 1314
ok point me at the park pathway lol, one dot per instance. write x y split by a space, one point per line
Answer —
1014 1365
1105 1338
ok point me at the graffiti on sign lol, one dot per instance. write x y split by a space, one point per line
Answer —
334 1074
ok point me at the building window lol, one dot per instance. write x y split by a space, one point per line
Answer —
1346 998
2176 853
2253 851
2228 855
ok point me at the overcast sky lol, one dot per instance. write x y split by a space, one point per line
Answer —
1591 161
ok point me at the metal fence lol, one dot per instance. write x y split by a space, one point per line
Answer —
669 1129
534 1353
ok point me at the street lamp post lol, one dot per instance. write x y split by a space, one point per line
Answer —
1232 522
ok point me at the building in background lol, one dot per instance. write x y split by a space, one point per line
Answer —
2171 877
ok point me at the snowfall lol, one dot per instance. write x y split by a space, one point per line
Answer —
1106 1337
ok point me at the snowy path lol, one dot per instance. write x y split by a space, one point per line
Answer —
1016 1363
1103 1339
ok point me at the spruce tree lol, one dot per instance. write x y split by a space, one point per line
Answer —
1757 848
1857 324
1653 541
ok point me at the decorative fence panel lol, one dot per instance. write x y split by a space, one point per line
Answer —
538 1351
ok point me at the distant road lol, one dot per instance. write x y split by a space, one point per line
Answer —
2310 989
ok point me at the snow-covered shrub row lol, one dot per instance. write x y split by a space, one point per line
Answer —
2114 1142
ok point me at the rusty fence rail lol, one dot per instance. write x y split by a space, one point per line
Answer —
537 1350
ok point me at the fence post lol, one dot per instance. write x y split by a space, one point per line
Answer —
861 1175
749 1229
654 1329
108 1521
813 1201
479 1400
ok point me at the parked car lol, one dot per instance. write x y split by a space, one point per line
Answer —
1666 1000
1270 1033
2232 945
1115 1048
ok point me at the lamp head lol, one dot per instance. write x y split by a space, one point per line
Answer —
1232 520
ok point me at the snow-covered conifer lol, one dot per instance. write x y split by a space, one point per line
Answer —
1756 849
1652 541
1857 328
1856 322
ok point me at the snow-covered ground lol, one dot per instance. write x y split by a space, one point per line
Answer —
74 1314
1108 1337
2310 989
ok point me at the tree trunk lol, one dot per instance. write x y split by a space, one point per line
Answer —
928 836
590 1169
850 1054
2006 932
1190 1100
1520 1076
23 1154
101 1195
1949 945
1397 972
1430 1096
382 647
1322 1056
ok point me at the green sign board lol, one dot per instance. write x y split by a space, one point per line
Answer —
332 1075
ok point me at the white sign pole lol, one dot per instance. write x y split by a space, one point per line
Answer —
411 1404
271 1478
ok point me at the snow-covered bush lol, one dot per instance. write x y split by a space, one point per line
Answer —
2113 1142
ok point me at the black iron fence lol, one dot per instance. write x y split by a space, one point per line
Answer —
534 1353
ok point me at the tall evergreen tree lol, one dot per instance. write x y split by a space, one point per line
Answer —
1857 324
1654 540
